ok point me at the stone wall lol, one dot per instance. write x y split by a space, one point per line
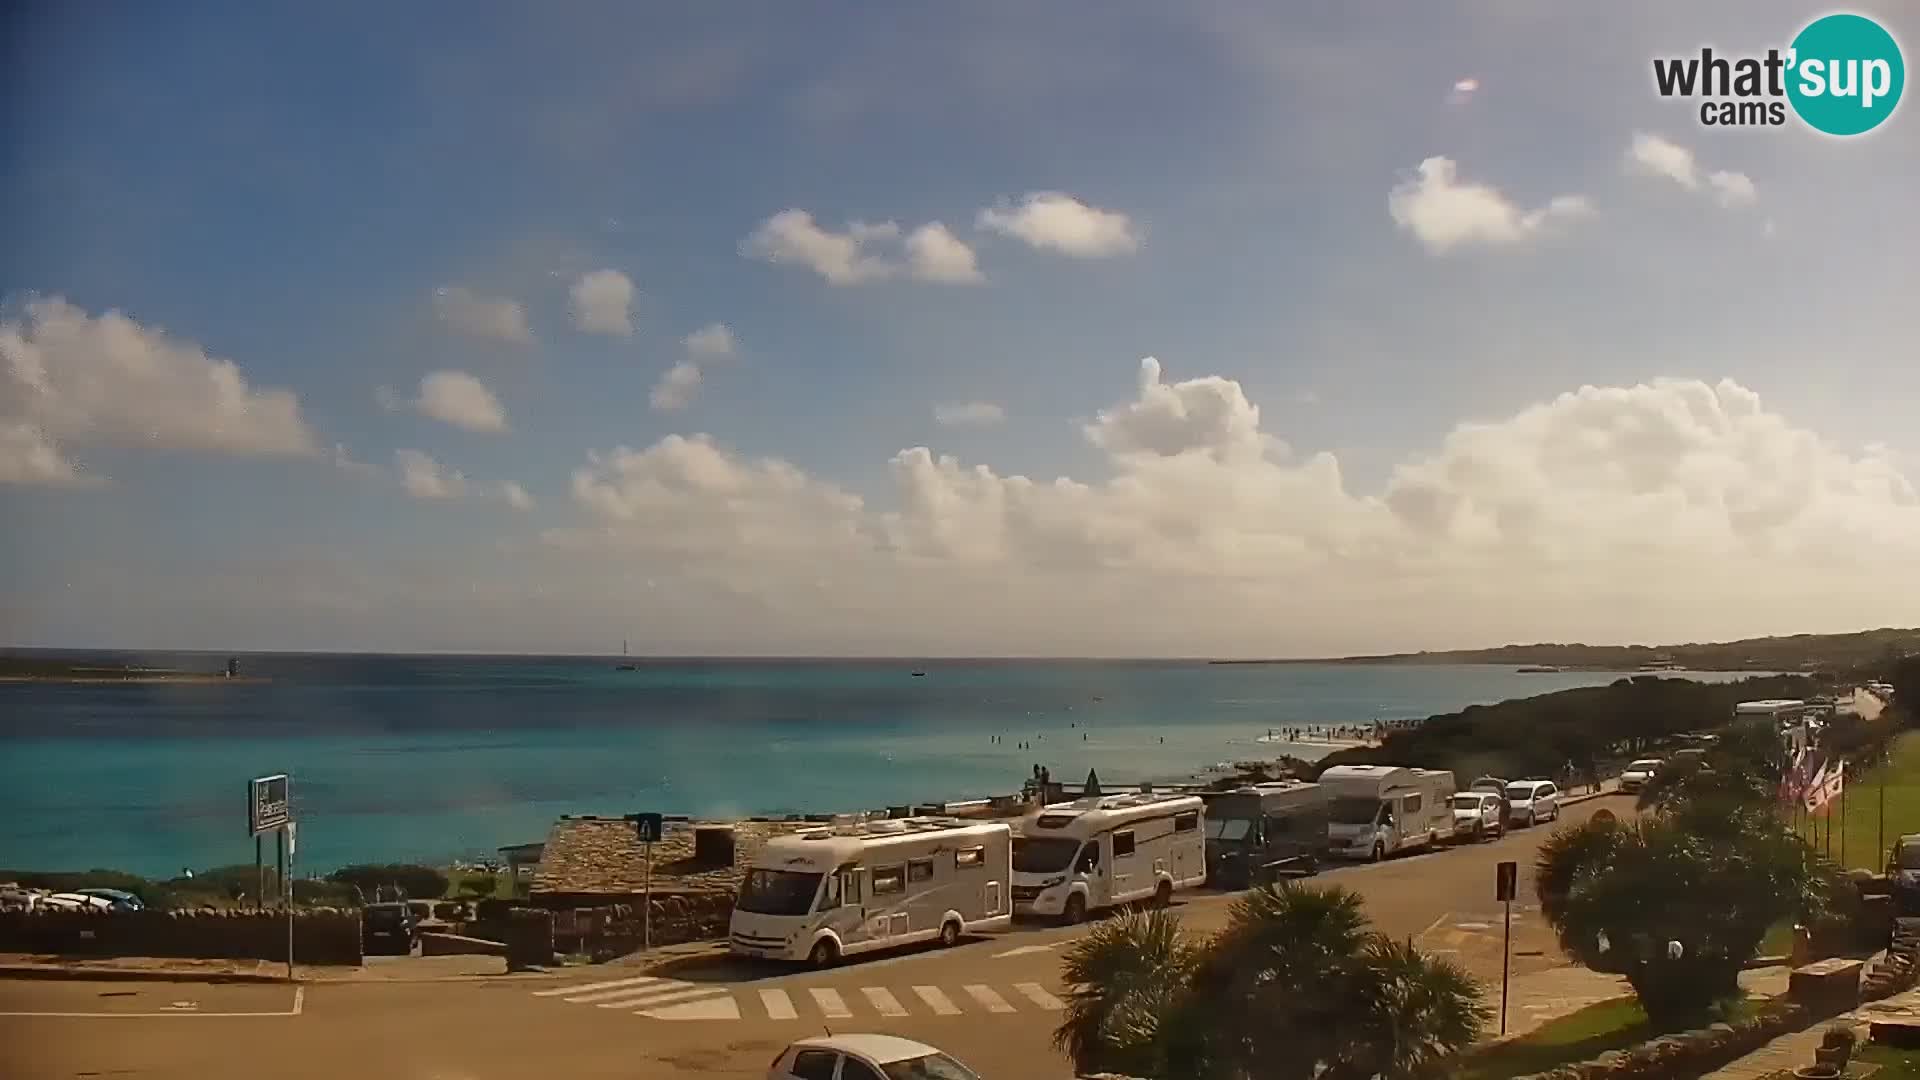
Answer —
321 935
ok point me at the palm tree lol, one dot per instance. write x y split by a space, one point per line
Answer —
1128 975
1295 986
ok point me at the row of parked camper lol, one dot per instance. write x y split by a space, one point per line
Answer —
860 885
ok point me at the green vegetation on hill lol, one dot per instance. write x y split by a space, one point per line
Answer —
1587 725
1797 652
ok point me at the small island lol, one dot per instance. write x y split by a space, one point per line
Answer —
71 671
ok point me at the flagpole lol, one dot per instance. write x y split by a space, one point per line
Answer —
1843 815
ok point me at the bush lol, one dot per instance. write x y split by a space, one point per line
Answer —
418 882
323 893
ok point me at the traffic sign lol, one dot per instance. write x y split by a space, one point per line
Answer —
648 826
1506 878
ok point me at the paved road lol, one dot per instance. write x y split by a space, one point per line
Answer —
992 1002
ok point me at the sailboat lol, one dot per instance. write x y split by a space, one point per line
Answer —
623 652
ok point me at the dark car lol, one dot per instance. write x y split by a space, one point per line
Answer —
119 898
1903 873
389 927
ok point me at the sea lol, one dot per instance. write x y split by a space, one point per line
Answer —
440 758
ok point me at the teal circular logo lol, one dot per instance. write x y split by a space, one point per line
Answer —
1846 74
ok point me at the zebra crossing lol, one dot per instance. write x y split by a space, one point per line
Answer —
676 999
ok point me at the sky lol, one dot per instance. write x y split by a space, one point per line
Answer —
1082 329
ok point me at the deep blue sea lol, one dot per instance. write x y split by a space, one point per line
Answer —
431 758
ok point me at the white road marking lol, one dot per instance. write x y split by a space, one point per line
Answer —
830 1004
1037 994
1025 949
988 997
937 1000
299 1005
778 1005
590 987
661 997
883 1001
651 986
713 1008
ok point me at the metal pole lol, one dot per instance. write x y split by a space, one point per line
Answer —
646 909
1843 817
1506 965
287 884
1880 838
259 876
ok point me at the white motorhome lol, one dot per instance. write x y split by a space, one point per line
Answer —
1076 857
1789 716
1378 810
835 891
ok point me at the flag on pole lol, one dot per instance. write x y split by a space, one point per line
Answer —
1813 794
1826 786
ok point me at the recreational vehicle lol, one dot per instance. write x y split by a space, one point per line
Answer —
1076 857
835 891
1261 831
1378 810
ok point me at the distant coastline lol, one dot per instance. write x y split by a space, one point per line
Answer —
14 669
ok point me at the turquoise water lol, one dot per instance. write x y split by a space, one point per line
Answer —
429 758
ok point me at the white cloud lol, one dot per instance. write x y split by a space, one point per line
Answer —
28 459
1463 91
1668 508
1653 155
968 414
843 258
425 478
486 317
864 252
714 340
602 302
347 463
69 378
1444 213
1058 222
935 254
516 496
677 388
457 398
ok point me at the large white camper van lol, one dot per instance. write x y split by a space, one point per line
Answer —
1378 810
831 892
1076 857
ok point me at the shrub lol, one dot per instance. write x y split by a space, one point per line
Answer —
418 882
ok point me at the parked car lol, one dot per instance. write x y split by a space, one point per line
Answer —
865 1057
390 923
1497 786
67 901
1530 802
1903 873
1636 774
1478 815
119 898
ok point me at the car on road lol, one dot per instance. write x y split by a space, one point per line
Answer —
1637 773
391 924
119 898
1530 802
1477 815
865 1057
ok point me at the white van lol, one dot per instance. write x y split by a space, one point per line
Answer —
1077 857
1379 810
831 892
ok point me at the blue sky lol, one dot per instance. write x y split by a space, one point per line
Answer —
290 188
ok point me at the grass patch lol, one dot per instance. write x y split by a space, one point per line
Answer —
1577 1036
1894 1063
1862 834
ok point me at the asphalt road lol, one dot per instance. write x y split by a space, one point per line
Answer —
992 1002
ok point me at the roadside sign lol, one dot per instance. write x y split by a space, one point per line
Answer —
648 826
269 804
1505 879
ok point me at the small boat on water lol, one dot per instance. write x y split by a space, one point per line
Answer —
919 674
623 652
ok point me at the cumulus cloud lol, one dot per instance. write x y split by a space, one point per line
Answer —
424 478
457 398
1660 508
961 414
1057 222
1445 213
714 340
1653 155
602 302
516 496
486 317
70 378
677 388
864 251
935 254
